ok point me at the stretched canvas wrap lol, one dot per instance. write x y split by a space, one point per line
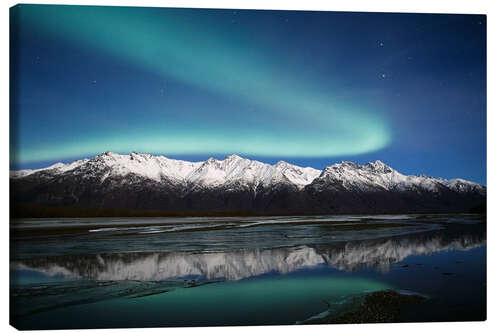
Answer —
211 167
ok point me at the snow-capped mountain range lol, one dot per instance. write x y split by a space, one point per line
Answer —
234 169
211 172
164 183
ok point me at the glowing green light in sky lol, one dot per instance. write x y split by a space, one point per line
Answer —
313 121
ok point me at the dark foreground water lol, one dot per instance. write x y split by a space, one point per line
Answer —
135 272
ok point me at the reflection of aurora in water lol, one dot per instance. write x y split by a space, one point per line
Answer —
238 264
172 301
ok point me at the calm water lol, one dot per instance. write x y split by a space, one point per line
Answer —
137 272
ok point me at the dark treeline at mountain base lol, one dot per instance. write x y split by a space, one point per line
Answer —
37 211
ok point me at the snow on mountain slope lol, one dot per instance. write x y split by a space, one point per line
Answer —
235 170
379 176
144 165
297 175
21 173
56 168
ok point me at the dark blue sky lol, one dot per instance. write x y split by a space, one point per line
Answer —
312 88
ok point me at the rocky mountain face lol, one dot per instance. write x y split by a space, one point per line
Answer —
147 182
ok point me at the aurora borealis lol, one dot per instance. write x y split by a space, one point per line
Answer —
308 87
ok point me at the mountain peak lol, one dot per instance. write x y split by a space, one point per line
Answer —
108 153
282 164
56 165
233 157
134 153
349 164
138 156
378 166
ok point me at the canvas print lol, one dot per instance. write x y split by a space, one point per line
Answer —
210 167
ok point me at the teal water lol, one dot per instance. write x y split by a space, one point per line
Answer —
277 300
442 258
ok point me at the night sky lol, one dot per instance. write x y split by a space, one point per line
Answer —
312 88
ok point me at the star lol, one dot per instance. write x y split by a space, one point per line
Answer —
383 75
94 81
381 44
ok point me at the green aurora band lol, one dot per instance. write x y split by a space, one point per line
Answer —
199 52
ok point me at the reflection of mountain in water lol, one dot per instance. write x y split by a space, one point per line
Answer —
377 254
